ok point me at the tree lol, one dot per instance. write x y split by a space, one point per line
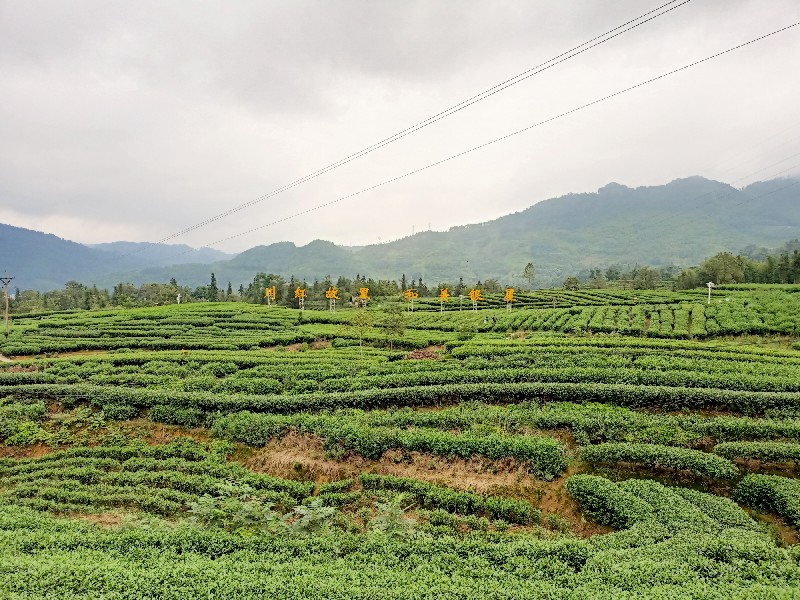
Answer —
362 323
724 268
646 278
596 279
422 288
491 286
212 292
529 273
784 269
394 323
460 287
571 283
795 272
688 279
403 283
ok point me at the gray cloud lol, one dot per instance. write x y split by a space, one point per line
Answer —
138 119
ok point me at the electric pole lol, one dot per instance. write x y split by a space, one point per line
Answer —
710 285
5 280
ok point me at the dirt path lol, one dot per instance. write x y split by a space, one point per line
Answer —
4 358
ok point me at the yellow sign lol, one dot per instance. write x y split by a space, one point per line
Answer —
410 295
271 293
331 292
509 297
363 293
475 295
444 295
299 293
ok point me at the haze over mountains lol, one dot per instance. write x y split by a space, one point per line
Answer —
681 223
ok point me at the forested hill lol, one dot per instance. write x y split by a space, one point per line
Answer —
681 223
44 261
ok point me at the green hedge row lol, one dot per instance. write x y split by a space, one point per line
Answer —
437 497
764 451
773 493
654 455
751 403
606 503
544 456
634 502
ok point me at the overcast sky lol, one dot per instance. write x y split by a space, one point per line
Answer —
134 120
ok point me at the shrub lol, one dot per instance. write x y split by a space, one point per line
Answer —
653 455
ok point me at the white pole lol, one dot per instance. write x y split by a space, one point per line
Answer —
710 285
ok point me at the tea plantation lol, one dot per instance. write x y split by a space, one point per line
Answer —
588 444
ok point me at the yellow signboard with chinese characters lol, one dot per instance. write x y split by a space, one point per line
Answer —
444 295
271 294
410 295
363 293
509 297
475 295
300 296
332 293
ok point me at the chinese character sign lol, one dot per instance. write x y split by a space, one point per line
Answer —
331 293
363 293
444 295
410 295
475 295
509 297
271 293
299 293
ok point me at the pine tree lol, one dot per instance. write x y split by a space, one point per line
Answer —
213 290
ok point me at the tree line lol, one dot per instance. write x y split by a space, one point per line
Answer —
77 296
752 265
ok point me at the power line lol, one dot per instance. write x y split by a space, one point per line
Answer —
563 57
507 136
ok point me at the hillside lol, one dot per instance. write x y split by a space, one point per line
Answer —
44 261
229 449
163 254
681 223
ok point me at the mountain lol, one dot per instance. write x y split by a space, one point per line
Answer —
43 261
163 254
681 223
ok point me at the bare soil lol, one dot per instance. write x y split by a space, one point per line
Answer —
105 520
303 457
35 451
79 353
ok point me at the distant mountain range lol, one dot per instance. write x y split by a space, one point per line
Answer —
681 223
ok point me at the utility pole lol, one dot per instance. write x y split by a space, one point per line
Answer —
710 285
5 280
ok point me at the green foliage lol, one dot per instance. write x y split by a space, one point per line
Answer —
430 496
653 455
158 479
544 456
773 493
606 503
764 451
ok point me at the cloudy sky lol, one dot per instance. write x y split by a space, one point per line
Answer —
136 120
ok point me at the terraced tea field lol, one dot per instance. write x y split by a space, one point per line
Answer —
615 445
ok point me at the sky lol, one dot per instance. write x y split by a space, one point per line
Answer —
137 120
